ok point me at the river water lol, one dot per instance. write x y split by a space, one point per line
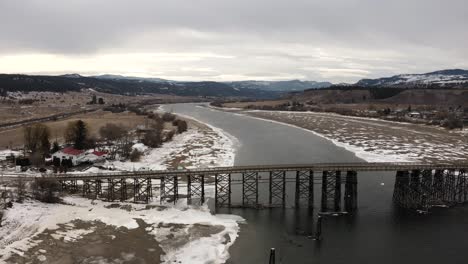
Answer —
376 233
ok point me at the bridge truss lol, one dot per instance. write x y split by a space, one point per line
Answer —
417 186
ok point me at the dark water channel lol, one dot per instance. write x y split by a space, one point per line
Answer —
376 233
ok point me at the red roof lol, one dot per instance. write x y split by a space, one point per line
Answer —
99 153
72 151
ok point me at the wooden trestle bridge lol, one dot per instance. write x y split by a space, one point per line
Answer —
417 185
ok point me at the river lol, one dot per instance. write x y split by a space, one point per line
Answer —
376 233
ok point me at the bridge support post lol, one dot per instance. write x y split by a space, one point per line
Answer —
70 186
169 188
277 188
196 189
400 192
117 189
438 186
415 189
88 187
462 186
426 183
331 191
142 190
250 189
98 188
351 191
304 188
450 186
222 190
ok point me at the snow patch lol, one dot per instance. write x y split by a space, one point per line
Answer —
17 234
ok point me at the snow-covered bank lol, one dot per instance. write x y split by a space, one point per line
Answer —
17 233
359 152
175 228
199 147
376 140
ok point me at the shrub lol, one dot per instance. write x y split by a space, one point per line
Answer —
168 117
46 190
135 155
452 122
182 126
152 138
169 135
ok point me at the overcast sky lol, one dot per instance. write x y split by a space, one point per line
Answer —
334 40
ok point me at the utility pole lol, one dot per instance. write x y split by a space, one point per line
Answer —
272 256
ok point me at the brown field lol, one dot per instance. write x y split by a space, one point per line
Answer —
55 103
14 137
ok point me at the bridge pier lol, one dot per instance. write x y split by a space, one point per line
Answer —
169 188
250 189
277 188
70 186
423 189
415 189
222 190
116 189
351 191
91 188
304 188
401 196
196 189
462 186
331 191
438 185
142 190
449 186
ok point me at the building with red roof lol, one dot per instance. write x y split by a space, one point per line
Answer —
69 153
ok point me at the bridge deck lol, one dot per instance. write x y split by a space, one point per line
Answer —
375 166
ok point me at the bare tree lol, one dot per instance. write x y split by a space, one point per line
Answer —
112 131
120 136
36 138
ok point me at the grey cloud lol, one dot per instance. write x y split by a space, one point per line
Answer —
381 37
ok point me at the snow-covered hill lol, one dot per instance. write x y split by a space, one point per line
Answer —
446 78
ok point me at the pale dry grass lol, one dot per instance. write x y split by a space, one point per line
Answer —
96 120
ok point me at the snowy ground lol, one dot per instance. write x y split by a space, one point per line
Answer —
18 236
48 233
6 153
377 140
196 148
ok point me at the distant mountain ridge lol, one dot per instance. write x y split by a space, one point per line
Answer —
121 77
286 86
445 79
455 78
125 85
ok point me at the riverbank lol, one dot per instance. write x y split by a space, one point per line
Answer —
377 140
86 231
172 234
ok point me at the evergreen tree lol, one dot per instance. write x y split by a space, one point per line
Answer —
77 133
55 147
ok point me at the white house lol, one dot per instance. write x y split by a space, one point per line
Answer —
93 157
69 153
